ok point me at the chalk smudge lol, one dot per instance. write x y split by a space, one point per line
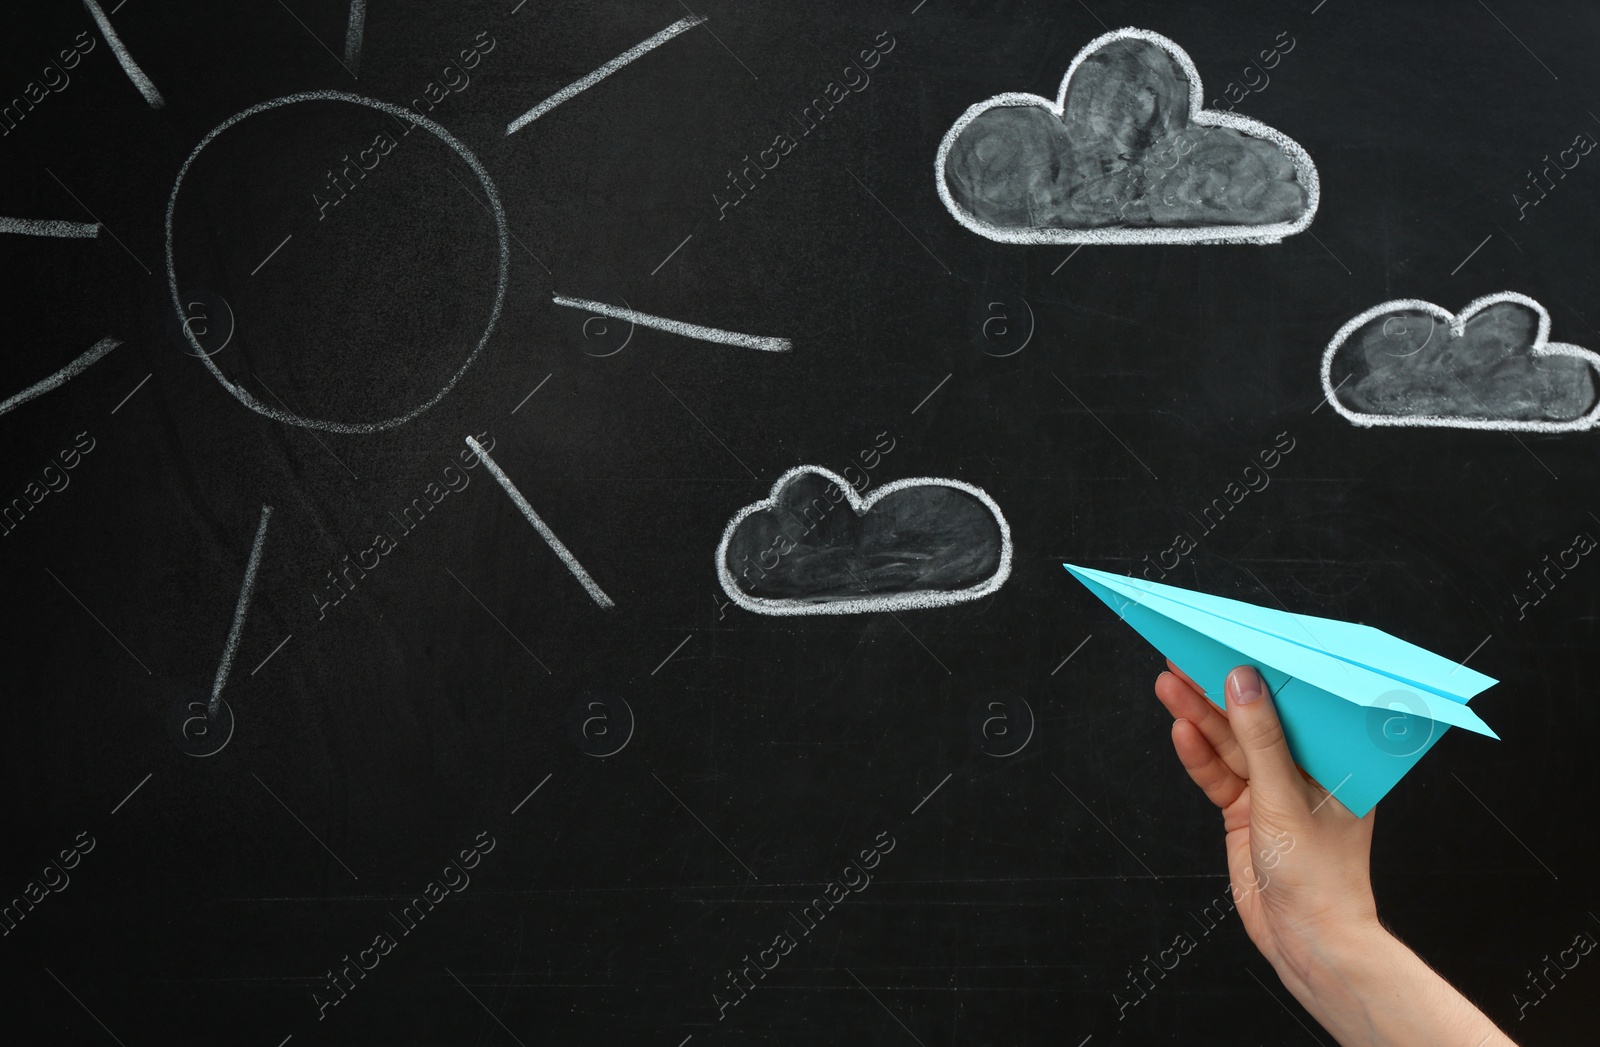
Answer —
1410 362
1124 154
815 546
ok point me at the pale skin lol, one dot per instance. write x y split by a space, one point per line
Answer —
1298 861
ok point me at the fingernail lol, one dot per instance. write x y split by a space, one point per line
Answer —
1244 685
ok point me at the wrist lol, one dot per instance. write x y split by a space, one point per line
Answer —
1332 961
1366 987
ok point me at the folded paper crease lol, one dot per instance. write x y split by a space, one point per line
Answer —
1359 707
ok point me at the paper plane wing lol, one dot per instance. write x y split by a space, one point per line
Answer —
1359 707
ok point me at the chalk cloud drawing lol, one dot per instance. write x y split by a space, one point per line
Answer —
1125 154
1492 366
815 546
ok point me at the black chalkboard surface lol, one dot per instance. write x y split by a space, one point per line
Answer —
728 688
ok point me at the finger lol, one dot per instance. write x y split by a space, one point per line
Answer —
1206 769
1183 702
1180 674
1255 724
1201 691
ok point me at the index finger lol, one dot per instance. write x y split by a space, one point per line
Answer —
1180 674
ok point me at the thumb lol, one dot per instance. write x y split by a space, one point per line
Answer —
1260 734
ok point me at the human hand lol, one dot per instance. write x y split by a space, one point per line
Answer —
1299 864
1297 858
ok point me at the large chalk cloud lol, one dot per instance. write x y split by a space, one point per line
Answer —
815 546
1124 154
1492 366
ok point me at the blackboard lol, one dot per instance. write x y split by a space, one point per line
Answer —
586 820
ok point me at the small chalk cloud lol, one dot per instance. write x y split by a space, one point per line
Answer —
1492 366
1124 154
816 546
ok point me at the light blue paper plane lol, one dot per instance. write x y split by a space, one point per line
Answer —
1359 707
